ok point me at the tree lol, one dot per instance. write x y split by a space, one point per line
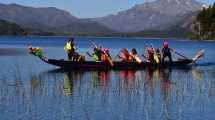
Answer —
205 22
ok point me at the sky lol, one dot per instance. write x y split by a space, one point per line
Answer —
86 8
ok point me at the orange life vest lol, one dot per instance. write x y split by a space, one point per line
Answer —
104 57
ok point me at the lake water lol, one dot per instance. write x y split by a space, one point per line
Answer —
31 89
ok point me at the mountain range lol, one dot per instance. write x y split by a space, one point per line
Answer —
160 15
48 20
157 15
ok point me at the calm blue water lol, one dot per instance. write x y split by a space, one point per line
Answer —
31 89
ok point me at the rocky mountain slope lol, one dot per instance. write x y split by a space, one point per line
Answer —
156 15
48 20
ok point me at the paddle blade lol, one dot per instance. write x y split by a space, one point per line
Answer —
110 62
156 58
199 55
137 59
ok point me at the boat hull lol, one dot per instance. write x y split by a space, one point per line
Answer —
67 64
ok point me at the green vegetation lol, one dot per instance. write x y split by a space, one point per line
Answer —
205 24
8 28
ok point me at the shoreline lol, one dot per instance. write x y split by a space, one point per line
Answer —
152 38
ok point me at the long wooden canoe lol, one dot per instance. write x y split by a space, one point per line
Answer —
67 64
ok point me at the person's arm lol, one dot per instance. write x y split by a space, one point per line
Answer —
162 51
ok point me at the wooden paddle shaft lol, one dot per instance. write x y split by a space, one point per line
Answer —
179 54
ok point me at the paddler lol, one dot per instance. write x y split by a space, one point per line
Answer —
158 54
166 51
125 56
150 54
95 55
70 48
134 55
106 56
99 52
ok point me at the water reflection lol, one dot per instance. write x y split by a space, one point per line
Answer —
12 51
198 74
125 79
69 81
127 94
128 78
100 78
36 84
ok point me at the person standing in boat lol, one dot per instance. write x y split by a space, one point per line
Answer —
166 51
70 48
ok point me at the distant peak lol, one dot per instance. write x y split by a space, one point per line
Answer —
14 4
178 1
53 8
205 6
18 5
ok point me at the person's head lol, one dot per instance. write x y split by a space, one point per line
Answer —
126 50
95 49
71 39
165 44
134 51
157 51
106 50
150 50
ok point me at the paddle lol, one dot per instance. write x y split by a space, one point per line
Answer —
155 55
144 51
110 61
179 54
89 54
93 44
136 57
199 55
145 57
117 56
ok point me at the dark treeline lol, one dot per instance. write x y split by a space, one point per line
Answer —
205 24
9 28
